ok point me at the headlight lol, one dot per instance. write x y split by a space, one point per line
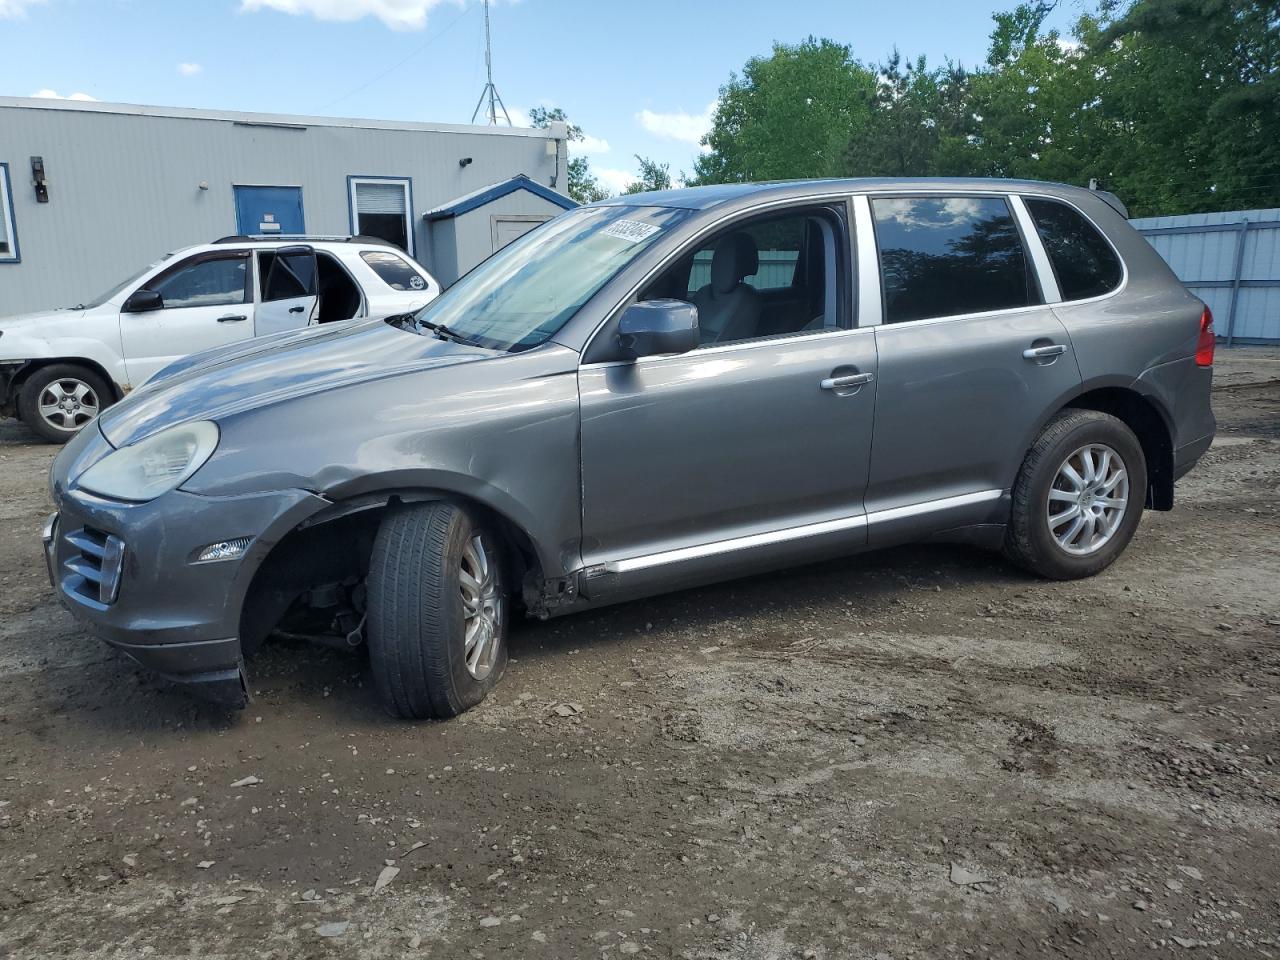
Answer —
144 470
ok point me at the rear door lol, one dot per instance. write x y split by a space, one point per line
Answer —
971 359
207 303
289 289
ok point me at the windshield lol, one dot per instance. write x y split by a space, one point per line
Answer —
527 291
99 301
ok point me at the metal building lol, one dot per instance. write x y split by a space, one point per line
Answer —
1229 260
92 192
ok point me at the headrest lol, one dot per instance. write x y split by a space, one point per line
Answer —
735 257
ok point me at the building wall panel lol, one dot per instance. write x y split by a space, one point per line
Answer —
124 181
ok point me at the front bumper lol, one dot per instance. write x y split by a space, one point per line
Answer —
128 571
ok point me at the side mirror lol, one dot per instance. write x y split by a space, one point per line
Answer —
653 327
140 301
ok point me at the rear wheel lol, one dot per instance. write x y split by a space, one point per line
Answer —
1078 497
437 611
57 400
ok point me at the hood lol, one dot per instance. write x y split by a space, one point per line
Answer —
269 370
40 323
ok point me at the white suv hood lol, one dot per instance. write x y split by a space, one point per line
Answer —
42 322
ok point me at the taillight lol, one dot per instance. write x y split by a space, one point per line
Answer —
1204 345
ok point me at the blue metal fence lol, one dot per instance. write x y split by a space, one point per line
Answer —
1230 260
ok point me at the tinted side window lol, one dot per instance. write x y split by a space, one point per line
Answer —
942 256
1083 261
287 279
393 270
207 283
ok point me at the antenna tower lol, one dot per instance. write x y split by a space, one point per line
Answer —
490 92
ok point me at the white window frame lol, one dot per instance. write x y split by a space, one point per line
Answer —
405 183
14 254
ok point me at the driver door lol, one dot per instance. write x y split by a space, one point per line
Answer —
289 289
739 454
206 302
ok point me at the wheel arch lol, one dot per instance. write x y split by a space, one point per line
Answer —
335 544
25 372
1146 416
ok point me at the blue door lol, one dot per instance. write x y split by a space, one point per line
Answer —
269 210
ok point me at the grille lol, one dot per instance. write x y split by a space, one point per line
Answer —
93 570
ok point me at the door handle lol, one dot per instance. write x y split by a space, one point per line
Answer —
851 380
1044 353
232 318
296 309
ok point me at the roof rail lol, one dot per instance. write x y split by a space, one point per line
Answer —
294 237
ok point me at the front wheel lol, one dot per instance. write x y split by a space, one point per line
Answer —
437 610
57 400
1078 497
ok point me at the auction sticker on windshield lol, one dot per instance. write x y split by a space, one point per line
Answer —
633 231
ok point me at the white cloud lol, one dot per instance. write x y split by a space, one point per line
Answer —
613 180
189 69
396 14
13 9
589 144
47 94
685 127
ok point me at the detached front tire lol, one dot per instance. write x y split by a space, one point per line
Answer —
56 401
1078 497
437 611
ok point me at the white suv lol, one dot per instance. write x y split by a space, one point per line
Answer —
59 368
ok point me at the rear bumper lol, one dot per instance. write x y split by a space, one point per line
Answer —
162 609
1187 455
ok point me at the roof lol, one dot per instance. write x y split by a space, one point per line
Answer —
702 198
279 120
478 198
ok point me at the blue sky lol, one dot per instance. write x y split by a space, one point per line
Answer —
638 77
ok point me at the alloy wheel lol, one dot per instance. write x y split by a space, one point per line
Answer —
68 404
481 609
1088 499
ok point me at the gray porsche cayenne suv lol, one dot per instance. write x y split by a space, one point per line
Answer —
641 395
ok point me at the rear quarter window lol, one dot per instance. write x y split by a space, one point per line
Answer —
1082 259
394 270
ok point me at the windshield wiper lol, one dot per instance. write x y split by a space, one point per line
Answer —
444 333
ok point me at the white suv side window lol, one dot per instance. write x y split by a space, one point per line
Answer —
205 283
394 270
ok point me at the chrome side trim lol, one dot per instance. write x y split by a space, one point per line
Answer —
1035 246
797 533
737 543
929 506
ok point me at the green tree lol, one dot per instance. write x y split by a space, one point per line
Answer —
791 114
1034 104
918 123
1193 100
583 185
653 176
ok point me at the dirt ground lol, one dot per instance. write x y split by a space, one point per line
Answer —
920 753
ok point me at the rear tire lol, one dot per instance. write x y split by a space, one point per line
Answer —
437 611
57 401
1078 497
